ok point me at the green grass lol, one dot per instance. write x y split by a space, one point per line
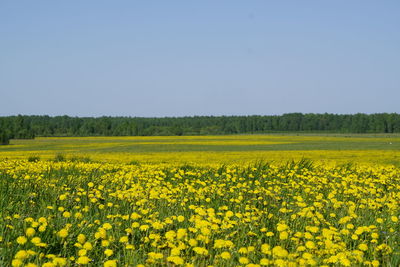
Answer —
176 144
378 148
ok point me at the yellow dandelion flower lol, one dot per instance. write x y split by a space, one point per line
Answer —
83 260
124 239
375 263
81 238
21 240
17 263
269 234
266 248
36 240
279 251
108 252
310 245
243 260
176 260
110 263
21 254
30 232
88 246
225 255
63 233
363 247
107 226
82 252
283 235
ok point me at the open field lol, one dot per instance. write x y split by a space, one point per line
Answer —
201 201
384 149
102 214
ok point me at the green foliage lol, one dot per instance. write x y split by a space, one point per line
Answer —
301 164
60 157
26 127
4 139
80 159
33 158
135 162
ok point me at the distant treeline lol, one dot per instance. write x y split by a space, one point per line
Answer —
17 127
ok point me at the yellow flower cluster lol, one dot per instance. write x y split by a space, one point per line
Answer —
104 214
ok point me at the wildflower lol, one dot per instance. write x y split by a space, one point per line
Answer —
225 255
17 263
266 248
243 250
107 226
181 233
30 232
193 242
110 263
243 260
283 235
170 235
269 234
63 233
21 254
265 262
108 252
124 239
176 260
60 261
310 245
156 256
279 251
281 227
375 263
88 246
363 247
21 240
144 227
36 240
81 238
200 251
83 260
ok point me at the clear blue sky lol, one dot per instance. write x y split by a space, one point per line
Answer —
184 58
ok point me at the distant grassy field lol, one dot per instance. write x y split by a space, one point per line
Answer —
384 149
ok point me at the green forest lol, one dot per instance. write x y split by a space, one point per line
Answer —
27 127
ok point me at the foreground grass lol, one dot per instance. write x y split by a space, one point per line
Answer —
74 213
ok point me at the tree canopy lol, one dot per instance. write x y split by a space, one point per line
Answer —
23 126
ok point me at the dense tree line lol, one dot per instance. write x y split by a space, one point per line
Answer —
16 127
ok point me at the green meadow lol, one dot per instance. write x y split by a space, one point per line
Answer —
380 148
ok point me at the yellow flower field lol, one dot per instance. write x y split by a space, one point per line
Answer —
206 150
172 214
